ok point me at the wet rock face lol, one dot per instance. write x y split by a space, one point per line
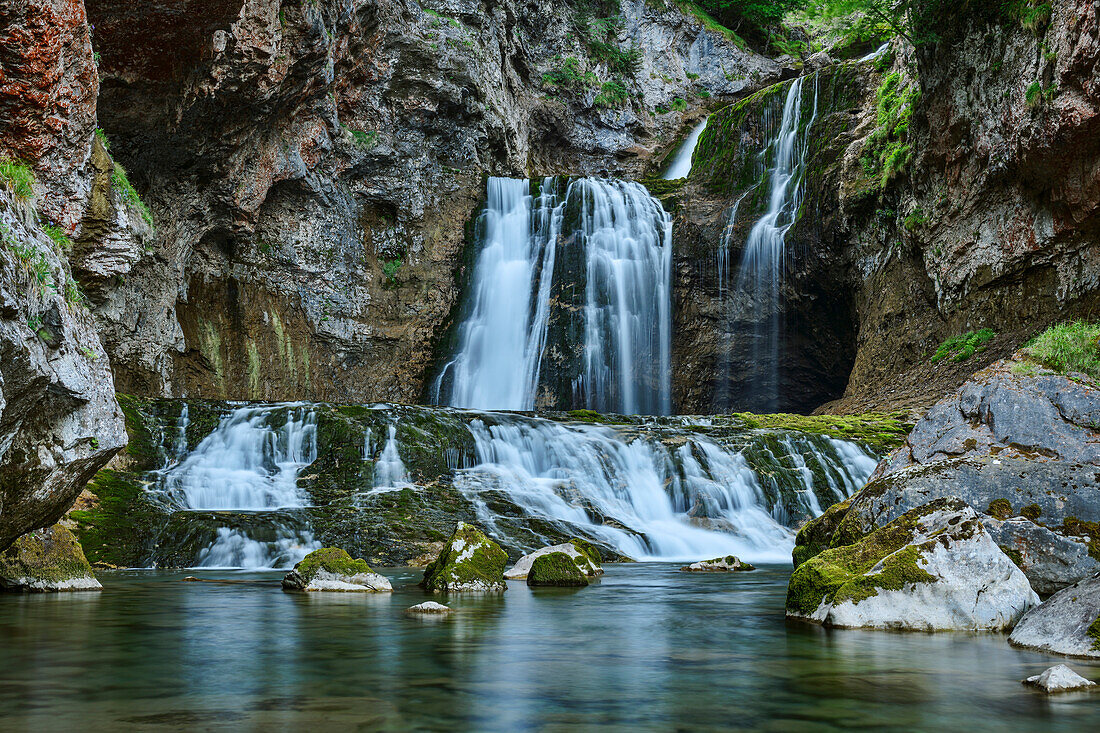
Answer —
48 94
59 422
311 167
1067 623
1018 446
933 568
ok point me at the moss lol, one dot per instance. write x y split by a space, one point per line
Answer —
815 536
587 549
121 183
557 569
332 559
880 431
1013 555
897 571
1093 632
999 509
1031 511
52 555
457 568
1087 530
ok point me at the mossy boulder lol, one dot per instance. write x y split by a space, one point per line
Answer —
46 560
933 568
556 569
583 554
470 561
727 564
333 569
816 535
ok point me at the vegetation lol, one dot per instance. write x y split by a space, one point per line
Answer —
612 94
961 348
566 74
121 183
1068 347
882 432
333 560
59 237
18 178
557 569
389 269
887 152
363 139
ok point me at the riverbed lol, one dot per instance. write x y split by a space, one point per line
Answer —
645 648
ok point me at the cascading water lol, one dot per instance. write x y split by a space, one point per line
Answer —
389 469
245 465
764 258
619 237
680 166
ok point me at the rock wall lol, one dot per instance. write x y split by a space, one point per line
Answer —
311 167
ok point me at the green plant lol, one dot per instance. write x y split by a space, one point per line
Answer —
915 220
612 94
1068 347
121 183
57 234
90 356
887 152
73 294
363 139
99 133
679 104
567 74
18 178
961 348
390 268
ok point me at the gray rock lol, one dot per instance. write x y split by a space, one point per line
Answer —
1050 560
429 608
46 560
726 564
583 560
1067 623
1059 678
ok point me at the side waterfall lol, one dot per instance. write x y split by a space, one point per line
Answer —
763 262
680 166
620 238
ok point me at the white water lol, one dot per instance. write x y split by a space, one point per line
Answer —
245 465
763 262
680 166
626 241
877 53
389 469
696 501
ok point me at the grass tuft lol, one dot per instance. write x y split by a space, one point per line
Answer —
1068 347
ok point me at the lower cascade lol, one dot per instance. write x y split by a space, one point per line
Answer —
646 488
570 294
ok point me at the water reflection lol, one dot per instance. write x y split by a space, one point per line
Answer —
647 648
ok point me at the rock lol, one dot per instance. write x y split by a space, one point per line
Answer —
1066 623
429 608
726 564
556 569
586 557
1059 678
469 562
333 569
934 568
1016 445
46 560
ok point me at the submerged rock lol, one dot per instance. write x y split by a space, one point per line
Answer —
470 561
1067 623
726 564
46 560
1059 678
584 555
333 569
556 569
429 608
933 568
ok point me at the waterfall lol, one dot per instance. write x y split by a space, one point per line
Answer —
245 465
525 277
389 469
680 166
763 261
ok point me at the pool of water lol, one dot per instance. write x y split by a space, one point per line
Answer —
646 648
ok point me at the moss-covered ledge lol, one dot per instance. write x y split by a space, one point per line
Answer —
880 431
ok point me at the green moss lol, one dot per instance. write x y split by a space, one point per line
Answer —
52 555
1031 511
815 536
121 183
556 569
587 549
880 431
1014 555
1087 530
457 568
897 571
1093 632
887 152
999 509
332 559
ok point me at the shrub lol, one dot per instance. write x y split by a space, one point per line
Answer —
679 104
566 74
389 269
961 348
612 94
1068 347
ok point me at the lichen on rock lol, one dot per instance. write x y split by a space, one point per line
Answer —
470 561
46 560
333 569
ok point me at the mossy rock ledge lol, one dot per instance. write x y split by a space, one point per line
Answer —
470 561
556 569
727 564
46 560
333 569
935 568
583 554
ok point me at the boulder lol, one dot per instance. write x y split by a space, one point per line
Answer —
556 569
1059 678
46 560
1018 446
933 568
428 608
333 569
586 557
1067 623
470 561
726 564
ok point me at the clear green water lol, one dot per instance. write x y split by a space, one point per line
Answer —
648 648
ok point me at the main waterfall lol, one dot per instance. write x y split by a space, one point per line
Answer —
569 301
